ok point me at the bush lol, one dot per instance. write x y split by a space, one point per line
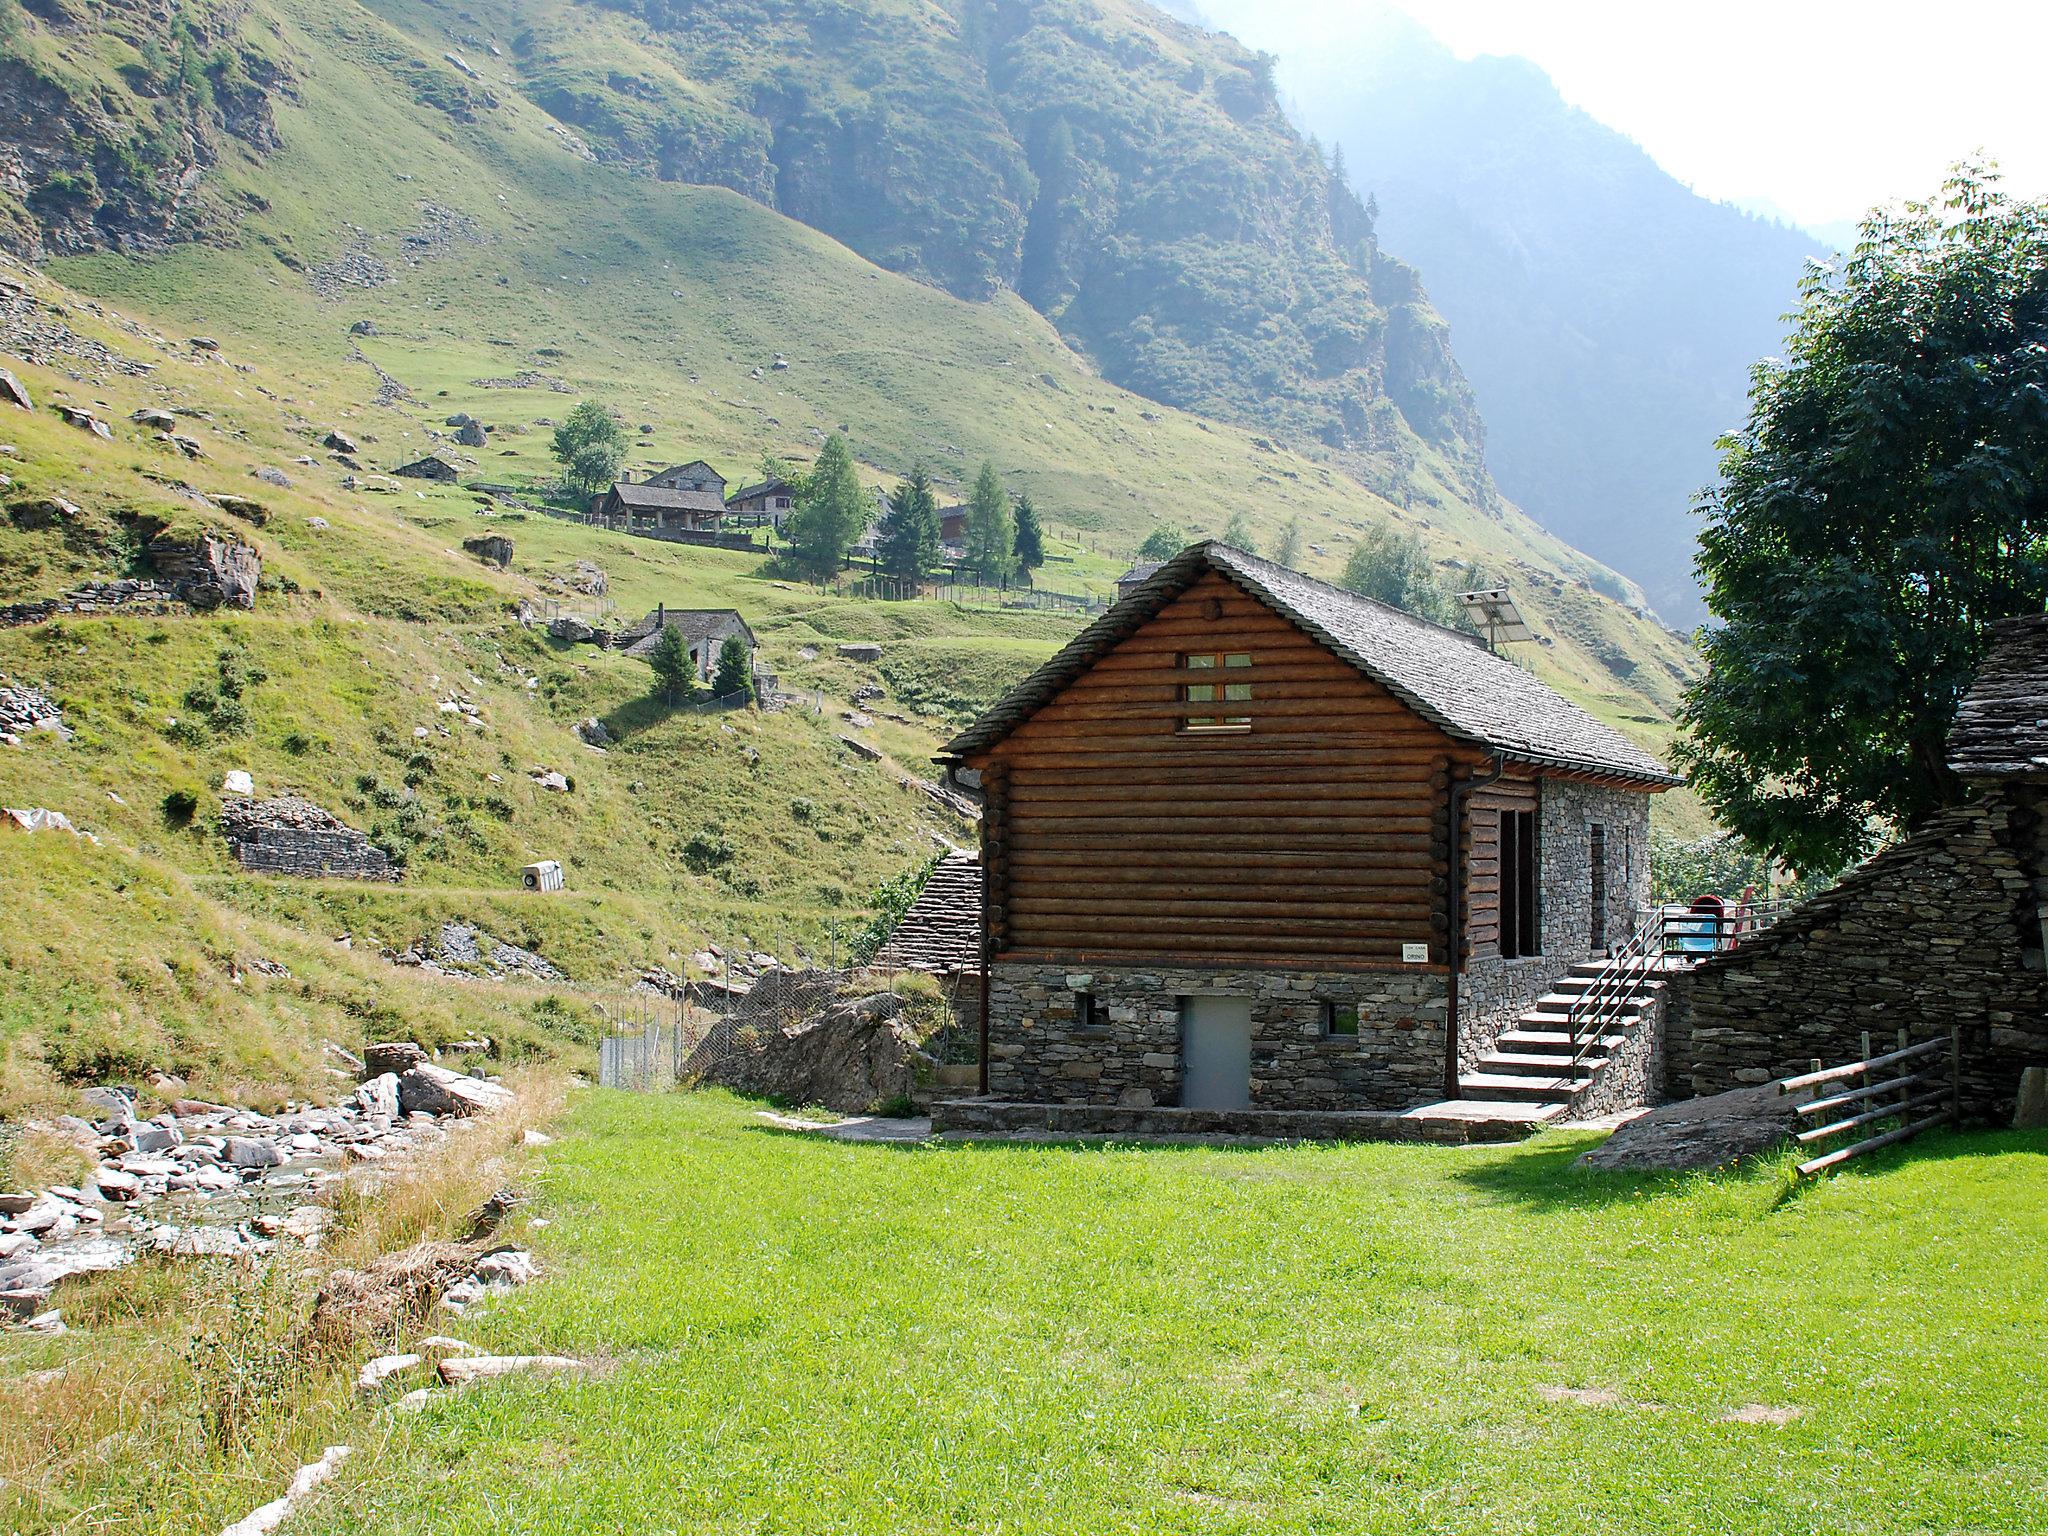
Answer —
180 806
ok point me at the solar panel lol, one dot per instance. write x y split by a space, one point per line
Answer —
1494 611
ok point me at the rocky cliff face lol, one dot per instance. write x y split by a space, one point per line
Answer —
100 155
1130 176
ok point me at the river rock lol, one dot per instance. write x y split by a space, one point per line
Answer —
248 1152
428 1089
379 1096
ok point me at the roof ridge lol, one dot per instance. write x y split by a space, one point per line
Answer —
1346 593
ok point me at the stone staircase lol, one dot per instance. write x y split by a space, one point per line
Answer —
1527 1066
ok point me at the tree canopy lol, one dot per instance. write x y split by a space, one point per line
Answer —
1287 543
830 514
907 540
1163 542
1237 533
675 674
735 674
990 532
591 446
1885 502
1029 544
1394 568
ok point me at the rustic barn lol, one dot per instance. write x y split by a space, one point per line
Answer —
704 630
1253 842
432 467
1946 929
656 508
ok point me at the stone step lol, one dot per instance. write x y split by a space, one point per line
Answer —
1533 1064
1556 1040
1501 1085
1543 1016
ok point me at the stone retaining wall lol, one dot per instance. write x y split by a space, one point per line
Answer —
1943 929
313 854
996 1117
1038 1050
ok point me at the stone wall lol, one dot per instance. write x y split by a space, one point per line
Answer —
1943 929
313 854
1039 1051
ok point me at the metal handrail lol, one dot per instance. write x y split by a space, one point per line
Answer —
1618 985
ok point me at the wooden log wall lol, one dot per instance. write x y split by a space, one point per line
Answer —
1317 836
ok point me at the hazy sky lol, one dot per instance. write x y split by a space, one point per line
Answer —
1821 107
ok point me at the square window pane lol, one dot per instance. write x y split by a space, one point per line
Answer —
1237 661
1237 690
1197 663
1201 693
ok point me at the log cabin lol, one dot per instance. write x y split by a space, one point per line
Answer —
1254 842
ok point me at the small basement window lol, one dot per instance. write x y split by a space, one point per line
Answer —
1340 1019
1213 668
1087 1012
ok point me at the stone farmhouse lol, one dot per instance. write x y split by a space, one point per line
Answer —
693 476
705 630
1948 928
769 501
432 467
1255 844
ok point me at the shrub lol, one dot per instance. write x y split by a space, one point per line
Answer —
180 806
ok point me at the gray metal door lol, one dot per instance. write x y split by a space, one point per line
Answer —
1216 1053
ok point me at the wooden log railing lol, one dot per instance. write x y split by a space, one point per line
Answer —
1909 1090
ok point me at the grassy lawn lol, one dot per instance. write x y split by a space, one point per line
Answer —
804 1336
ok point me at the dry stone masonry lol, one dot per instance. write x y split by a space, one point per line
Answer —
290 836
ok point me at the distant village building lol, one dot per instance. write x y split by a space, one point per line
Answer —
952 525
1253 843
769 501
693 476
1136 577
704 630
432 467
657 508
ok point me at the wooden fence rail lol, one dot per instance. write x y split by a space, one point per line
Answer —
1908 1101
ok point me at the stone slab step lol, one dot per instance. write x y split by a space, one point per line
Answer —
1519 1063
1553 1040
1502 1085
1488 1112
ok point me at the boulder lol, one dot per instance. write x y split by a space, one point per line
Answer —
795 1037
491 548
471 435
379 1096
207 570
1700 1133
14 392
860 651
117 1184
249 511
391 1057
428 1089
592 732
238 782
150 416
250 1152
85 421
340 442
570 629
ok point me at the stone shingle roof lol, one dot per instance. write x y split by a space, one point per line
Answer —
697 625
1445 676
2001 729
661 498
942 930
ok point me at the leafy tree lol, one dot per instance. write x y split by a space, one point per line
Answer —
675 673
1394 568
990 531
1287 543
831 512
1029 544
735 674
1237 533
1163 542
1885 502
907 542
591 447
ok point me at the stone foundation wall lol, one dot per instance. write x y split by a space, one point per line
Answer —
313 854
1567 813
1634 1074
1493 993
1039 1052
1944 929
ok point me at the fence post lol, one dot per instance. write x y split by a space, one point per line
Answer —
1813 1064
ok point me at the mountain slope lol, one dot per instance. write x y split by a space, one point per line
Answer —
417 243
1606 316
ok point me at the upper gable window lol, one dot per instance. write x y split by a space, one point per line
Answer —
1208 683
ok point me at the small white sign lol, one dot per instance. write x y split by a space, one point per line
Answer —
1415 954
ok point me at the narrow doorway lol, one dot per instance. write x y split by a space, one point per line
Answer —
1597 850
1216 1053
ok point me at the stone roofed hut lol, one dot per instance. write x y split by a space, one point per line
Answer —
432 467
658 508
704 630
1948 928
1219 840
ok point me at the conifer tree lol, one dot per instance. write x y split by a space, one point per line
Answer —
907 542
831 512
675 674
1029 544
990 532
735 675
